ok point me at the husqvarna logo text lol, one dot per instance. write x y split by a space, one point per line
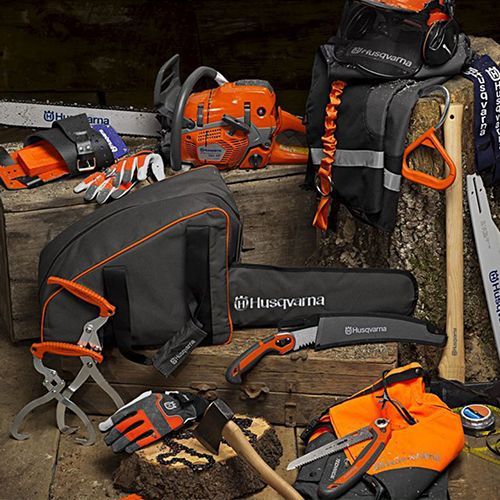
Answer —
494 278
244 302
383 56
350 330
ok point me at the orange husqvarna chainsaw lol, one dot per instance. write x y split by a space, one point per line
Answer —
233 125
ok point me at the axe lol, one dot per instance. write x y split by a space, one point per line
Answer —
217 424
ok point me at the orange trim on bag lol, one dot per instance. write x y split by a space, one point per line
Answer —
139 242
324 175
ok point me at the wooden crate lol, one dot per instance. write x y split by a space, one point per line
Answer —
276 212
286 390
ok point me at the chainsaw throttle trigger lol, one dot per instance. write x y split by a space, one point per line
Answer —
430 140
86 294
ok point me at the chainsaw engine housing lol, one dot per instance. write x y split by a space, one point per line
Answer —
231 126
234 125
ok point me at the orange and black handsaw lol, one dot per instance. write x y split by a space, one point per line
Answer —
377 433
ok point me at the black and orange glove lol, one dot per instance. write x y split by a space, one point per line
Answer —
149 417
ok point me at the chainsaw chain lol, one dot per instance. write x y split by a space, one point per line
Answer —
172 441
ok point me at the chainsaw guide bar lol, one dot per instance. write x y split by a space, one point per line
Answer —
31 114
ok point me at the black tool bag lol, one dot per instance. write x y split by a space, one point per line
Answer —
167 257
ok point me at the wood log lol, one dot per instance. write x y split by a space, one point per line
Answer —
180 467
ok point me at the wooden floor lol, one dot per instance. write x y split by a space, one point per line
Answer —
52 466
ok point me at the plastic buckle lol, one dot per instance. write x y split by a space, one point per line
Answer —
430 140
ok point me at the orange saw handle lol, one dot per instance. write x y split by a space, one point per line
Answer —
281 343
86 294
63 349
282 154
287 121
381 434
430 140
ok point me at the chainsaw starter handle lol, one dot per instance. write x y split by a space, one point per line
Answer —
106 309
381 432
180 105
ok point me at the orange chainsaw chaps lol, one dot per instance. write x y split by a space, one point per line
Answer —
38 160
433 442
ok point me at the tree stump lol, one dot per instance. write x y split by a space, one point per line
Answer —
180 467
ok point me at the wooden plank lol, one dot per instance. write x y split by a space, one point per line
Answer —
60 194
274 407
6 325
57 43
340 371
277 217
28 233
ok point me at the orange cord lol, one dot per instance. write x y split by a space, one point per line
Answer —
324 175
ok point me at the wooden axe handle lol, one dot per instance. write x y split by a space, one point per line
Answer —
452 365
239 443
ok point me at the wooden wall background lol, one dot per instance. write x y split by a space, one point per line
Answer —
70 49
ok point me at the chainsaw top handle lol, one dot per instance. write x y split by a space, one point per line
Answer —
182 99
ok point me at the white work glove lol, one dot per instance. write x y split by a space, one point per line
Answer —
118 179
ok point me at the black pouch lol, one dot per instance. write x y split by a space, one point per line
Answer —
267 296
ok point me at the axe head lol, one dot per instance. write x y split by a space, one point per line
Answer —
209 430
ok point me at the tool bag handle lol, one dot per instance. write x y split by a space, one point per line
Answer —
198 325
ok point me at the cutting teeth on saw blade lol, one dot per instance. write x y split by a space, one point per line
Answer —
305 338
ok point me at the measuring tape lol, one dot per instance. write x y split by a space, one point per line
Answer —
477 418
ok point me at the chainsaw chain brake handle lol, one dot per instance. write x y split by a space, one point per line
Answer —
381 432
281 343
178 113
430 140
106 309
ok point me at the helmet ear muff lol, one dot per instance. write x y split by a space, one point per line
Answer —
359 24
440 43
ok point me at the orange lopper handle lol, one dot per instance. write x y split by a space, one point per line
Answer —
86 294
63 349
430 140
